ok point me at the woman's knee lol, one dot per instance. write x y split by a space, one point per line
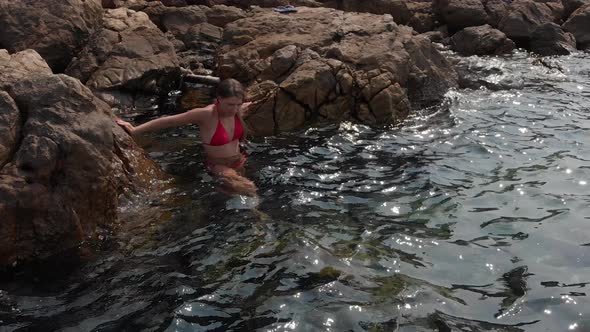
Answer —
221 170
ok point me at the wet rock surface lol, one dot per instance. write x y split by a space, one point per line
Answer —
55 29
62 163
338 67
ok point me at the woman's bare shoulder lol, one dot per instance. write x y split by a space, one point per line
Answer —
201 113
208 108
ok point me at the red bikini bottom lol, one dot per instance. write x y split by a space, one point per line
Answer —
233 162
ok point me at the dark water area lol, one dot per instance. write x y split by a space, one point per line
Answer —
472 216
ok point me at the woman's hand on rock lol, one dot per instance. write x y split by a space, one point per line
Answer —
128 127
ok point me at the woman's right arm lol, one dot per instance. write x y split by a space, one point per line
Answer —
193 116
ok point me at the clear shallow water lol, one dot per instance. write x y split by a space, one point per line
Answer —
473 216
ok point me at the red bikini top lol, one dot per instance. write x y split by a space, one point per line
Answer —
220 137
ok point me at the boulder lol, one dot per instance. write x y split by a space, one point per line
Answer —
222 15
202 32
482 40
56 29
458 14
128 54
550 39
579 25
398 9
110 4
496 10
570 6
137 5
202 41
9 122
325 64
422 18
177 20
63 161
174 3
195 31
422 22
240 3
524 17
557 11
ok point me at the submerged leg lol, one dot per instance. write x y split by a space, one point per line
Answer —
232 182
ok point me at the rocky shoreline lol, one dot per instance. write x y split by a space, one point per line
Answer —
64 67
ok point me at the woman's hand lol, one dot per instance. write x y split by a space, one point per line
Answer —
128 127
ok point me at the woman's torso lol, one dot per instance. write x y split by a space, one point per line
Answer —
208 129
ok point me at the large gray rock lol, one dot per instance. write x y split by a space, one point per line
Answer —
334 65
128 53
570 6
550 39
242 4
222 15
176 20
398 9
496 10
482 40
56 29
63 161
9 122
261 3
579 25
458 14
557 11
525 16
422 18
195 31
17 67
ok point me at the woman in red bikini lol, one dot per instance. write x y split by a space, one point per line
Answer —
221 128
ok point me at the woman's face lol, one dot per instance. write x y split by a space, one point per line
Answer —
229 106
